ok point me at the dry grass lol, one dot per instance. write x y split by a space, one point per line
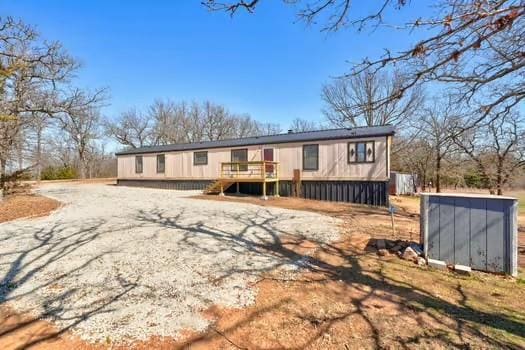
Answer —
104 181
26 206
362 301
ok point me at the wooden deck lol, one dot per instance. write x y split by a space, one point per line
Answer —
237 172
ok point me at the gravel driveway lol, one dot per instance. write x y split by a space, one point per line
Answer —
124 263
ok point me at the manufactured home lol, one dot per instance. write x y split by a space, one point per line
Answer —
346 165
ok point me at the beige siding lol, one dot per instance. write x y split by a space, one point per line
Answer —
333 162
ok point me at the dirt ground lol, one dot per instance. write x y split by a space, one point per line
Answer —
25 206
375 222
344 296
372 221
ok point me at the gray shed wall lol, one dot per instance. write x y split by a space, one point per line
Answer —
480 232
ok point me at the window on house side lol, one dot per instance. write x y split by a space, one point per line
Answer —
311 157
138 164
161 163
240 155
361 152
200 158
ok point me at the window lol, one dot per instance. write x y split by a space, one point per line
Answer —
360 148
200 158
161 163
311 157
138 164
361 152
240 155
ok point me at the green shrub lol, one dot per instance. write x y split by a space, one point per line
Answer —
474 179
58 173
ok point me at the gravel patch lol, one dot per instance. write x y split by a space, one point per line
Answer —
120 264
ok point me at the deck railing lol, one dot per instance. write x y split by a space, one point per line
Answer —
256 170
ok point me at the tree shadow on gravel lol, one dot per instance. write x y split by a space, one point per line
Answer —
361 285
43 247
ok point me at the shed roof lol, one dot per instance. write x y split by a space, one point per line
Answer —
466 195
331 134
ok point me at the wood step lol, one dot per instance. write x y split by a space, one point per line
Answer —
215 187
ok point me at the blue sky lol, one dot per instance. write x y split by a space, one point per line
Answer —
266 64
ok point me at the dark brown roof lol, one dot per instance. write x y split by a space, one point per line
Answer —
309 136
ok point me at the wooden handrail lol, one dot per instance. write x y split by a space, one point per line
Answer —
249 163
251 169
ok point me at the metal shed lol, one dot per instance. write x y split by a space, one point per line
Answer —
402 184
480 231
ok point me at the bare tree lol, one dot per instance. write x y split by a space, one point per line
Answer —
132 128
81 121
40 122
101 163
193 124
302 125
358 100
168 122
436 128
419 160
264 129
30 71
61 151
245 126
497 149
336 11
472 47
216 122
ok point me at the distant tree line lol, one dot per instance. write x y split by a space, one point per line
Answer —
166 122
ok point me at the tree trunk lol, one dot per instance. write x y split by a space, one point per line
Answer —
3 167
438 174
19 150
39 155
82 165
499 178
82 169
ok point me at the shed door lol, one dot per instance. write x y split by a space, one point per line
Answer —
268 157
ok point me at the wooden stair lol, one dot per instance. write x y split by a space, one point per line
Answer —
215 187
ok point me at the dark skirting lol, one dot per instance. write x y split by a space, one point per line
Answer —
373 193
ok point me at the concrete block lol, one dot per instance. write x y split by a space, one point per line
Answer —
382 252
462 269
410 254
416 248
437 264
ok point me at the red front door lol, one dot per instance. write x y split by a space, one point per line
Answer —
268 157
